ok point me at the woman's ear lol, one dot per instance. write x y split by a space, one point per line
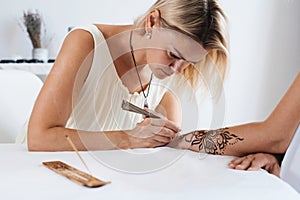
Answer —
152 19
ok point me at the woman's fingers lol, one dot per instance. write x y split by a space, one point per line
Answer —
242 163
165 123
155 113
161 139
160 123
155 132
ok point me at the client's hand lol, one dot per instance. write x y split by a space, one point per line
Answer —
255 161
153 133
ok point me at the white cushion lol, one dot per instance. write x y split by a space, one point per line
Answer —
18 90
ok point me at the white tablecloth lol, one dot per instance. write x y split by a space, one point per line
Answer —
161 173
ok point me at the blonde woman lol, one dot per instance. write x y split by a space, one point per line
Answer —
100 65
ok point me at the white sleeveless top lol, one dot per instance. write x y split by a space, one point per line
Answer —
98 107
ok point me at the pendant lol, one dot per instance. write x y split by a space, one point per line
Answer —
146 104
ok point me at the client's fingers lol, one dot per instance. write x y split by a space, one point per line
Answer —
242 163
233 163
256 165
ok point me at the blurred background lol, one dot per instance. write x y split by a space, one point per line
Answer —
264 49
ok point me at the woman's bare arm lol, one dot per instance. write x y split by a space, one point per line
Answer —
170 107
46 131
54 103
272 135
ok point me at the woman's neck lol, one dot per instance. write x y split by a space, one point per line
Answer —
118 41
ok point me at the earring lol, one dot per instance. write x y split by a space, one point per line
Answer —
148 35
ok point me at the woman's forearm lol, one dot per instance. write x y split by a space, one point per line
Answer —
54 139
147 134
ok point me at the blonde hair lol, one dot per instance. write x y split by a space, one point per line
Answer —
204 21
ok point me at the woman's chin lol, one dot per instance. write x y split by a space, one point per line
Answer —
161 75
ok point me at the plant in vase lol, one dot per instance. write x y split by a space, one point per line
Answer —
36 32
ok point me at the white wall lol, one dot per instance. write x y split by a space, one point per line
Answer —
58 16
265 56
265 47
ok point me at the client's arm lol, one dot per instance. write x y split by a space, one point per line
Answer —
272 135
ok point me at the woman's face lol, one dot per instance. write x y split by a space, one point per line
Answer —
171 52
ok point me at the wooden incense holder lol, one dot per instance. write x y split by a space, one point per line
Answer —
74 174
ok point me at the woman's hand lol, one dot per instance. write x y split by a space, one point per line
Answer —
153 133
256 161
182 141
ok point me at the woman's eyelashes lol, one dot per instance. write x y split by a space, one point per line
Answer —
173 55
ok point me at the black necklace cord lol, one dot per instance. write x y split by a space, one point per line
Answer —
138 74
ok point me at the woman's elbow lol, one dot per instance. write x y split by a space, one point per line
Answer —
35 139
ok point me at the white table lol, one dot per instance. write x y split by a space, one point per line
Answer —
39 69
175 175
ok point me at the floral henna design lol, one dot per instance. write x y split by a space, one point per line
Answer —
213 141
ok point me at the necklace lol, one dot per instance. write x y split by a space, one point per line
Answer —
138 74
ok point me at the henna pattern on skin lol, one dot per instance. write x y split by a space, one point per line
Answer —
213 141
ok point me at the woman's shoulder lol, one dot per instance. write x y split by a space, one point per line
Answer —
101 31
109 30
85 34
92 29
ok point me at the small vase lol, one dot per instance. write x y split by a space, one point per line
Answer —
40 54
